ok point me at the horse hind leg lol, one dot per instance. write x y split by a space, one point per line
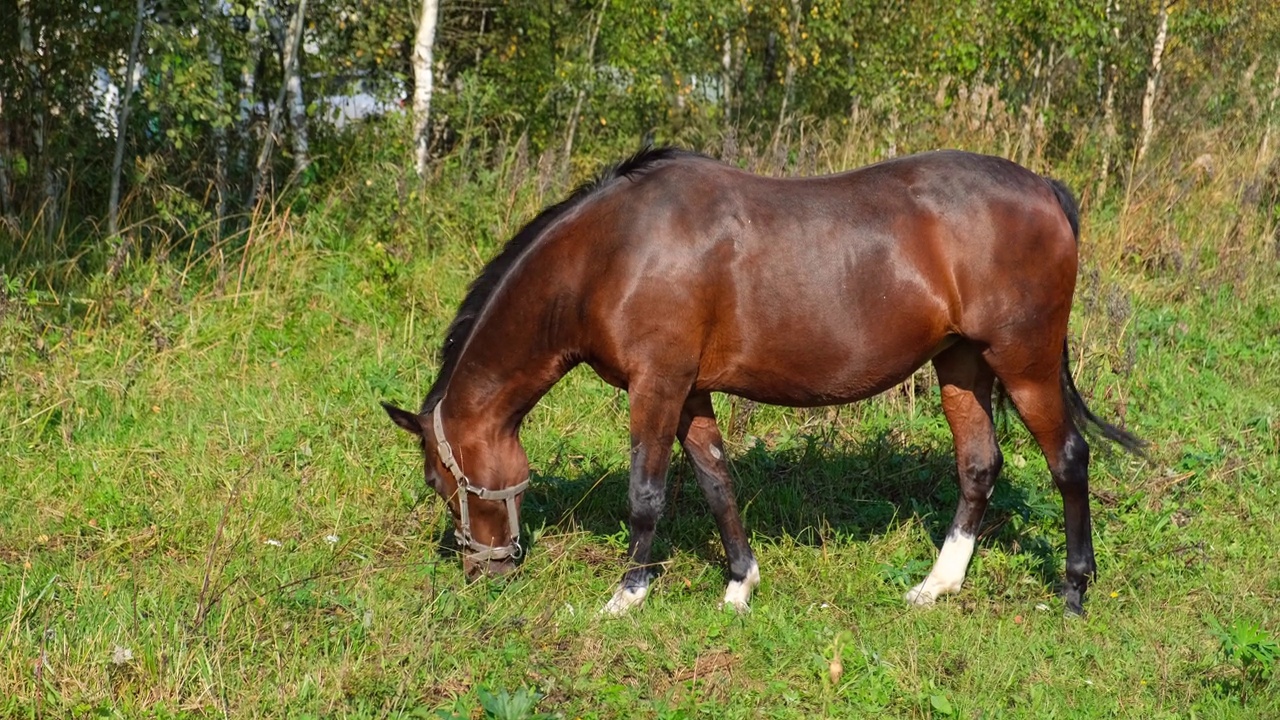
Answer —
1041 401
966 381
701 439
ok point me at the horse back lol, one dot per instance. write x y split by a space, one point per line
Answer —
817 290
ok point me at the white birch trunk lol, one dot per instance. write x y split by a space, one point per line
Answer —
293 85
788 79
726 78
122 132
1109 102
248 90
1153 80
273 124
423 80
27 47
220 148
582 88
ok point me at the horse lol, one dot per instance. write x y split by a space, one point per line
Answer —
673 275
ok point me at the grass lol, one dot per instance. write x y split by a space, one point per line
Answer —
204 512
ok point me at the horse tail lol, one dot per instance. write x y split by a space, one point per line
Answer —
1080 413
1084 418
1068 202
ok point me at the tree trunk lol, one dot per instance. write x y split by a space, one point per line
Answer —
293 84
27 47
1109 102
248 92
582 87
726 79
788 79
7 213
423 83
122 133
273 124
1153 79
220 148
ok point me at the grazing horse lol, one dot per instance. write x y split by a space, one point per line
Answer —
674 275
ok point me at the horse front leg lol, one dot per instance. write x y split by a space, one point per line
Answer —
701 439
655 415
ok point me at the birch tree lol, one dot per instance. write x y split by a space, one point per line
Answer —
423 46
587 78
293 39
122 132
1153 80
1109 136
26 45
293 87
6 194
221 149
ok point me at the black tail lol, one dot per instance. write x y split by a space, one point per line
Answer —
1083 417
1068 202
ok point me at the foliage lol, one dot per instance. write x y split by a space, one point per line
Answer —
722 75
1250 649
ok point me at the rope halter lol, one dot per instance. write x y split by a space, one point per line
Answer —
479 551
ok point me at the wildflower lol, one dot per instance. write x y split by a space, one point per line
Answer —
121 655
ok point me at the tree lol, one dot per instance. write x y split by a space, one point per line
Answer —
122 132
423 78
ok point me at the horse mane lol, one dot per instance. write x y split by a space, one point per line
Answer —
497 269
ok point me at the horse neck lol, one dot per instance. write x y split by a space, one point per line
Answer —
507 365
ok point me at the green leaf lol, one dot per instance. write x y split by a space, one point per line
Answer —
942 705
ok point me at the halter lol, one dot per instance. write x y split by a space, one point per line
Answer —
465 488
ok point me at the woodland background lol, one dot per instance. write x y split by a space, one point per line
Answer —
234 103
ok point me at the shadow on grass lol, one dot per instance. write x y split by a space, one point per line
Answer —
809 490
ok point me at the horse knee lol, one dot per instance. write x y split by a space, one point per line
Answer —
1071 469
647 499
978 472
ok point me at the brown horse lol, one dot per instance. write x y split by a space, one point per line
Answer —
674 276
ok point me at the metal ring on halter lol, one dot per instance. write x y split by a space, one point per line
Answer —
482 552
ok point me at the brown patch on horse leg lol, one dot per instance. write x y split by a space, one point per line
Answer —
1044 411
700 436
966 382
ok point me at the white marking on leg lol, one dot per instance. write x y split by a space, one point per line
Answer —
948 572
739 592
715 452
623 600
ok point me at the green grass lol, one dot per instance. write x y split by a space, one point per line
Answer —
204 512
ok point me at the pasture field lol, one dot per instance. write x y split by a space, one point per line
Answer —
205 513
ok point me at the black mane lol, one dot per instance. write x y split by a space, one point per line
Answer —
495 270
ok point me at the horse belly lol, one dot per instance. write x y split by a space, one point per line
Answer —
830 355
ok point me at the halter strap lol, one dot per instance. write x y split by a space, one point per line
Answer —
465 488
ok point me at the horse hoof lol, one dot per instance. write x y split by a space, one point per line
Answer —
623 600
738 594
920 597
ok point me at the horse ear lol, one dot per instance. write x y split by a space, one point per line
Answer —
405 419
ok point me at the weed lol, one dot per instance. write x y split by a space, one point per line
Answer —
1250 650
